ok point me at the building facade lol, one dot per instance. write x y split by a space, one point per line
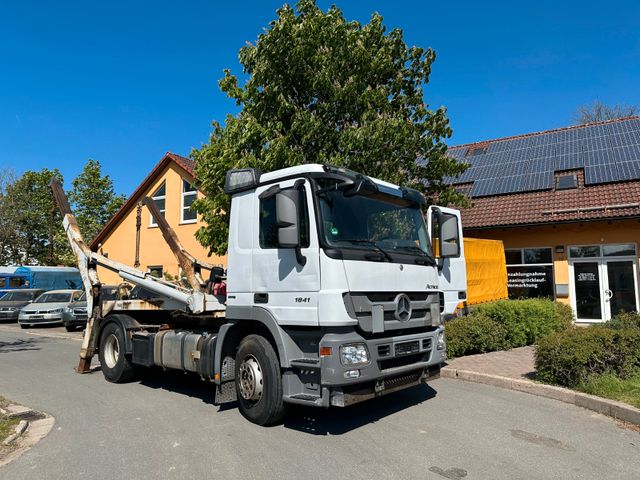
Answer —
170 184
566 204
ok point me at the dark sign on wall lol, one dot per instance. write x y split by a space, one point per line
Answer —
531 281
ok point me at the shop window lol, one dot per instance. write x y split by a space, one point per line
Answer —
594 251
530 272
622 250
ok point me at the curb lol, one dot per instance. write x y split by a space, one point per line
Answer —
33 427
611 408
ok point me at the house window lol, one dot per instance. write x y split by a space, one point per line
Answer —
189 194
567 182
529 272
159 198
155 271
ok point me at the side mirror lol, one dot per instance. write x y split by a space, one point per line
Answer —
449 239
287 205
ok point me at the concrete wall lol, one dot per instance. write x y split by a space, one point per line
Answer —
120 245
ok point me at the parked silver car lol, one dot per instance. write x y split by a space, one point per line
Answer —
47 308
15 300
75 315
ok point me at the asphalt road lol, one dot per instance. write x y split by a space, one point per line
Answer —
166 427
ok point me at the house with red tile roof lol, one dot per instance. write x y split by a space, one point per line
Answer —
132 236
566 204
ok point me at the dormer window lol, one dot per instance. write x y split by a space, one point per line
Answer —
476 151
566 181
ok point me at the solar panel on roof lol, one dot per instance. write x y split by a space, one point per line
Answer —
608 152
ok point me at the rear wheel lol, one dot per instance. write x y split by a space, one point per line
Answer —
116 366
259 381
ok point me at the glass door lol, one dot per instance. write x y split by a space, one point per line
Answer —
588 291
620 292
603 281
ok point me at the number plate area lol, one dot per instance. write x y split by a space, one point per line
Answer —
407 348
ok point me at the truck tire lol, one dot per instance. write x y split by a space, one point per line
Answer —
116 366
259 381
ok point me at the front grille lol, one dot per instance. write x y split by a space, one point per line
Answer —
403 361
80 311
384 350
359 305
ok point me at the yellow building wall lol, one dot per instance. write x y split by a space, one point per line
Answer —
120 244
587 233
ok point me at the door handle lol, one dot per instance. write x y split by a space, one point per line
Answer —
608 293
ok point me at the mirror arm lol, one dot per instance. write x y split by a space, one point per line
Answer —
301 259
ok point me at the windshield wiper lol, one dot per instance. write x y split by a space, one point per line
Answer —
374 246
416 249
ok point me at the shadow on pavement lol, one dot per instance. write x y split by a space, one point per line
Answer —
337 421
179 382
316 421
19 345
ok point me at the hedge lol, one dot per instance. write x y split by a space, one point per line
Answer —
505 324
571 357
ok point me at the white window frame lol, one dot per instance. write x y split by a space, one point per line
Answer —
152 222
601 260
184 208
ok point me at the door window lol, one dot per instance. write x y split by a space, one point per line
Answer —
588 299
621 291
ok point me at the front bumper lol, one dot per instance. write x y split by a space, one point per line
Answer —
40 319
388 357
73 319
395 363
9 316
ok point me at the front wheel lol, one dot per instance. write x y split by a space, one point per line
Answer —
259 381
116 366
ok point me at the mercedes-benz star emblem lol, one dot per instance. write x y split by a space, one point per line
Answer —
403 307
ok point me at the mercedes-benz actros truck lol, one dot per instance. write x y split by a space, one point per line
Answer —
333 294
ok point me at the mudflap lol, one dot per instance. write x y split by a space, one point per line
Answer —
226 390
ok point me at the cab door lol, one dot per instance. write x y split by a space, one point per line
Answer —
452 271
281 284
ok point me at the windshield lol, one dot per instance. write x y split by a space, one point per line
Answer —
18 297
53 298
381 222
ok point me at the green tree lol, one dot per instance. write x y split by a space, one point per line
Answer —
93 200
32 227
321 89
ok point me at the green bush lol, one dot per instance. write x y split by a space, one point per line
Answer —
624 320
527 321
571 357
475 333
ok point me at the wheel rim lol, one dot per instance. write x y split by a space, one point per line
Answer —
111 350
250 380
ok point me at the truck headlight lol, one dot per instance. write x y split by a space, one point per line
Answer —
354 354
441 344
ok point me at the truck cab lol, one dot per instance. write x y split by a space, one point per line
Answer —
342 266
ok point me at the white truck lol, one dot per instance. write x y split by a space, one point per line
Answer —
332 298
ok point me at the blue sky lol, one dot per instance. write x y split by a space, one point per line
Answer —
124 82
